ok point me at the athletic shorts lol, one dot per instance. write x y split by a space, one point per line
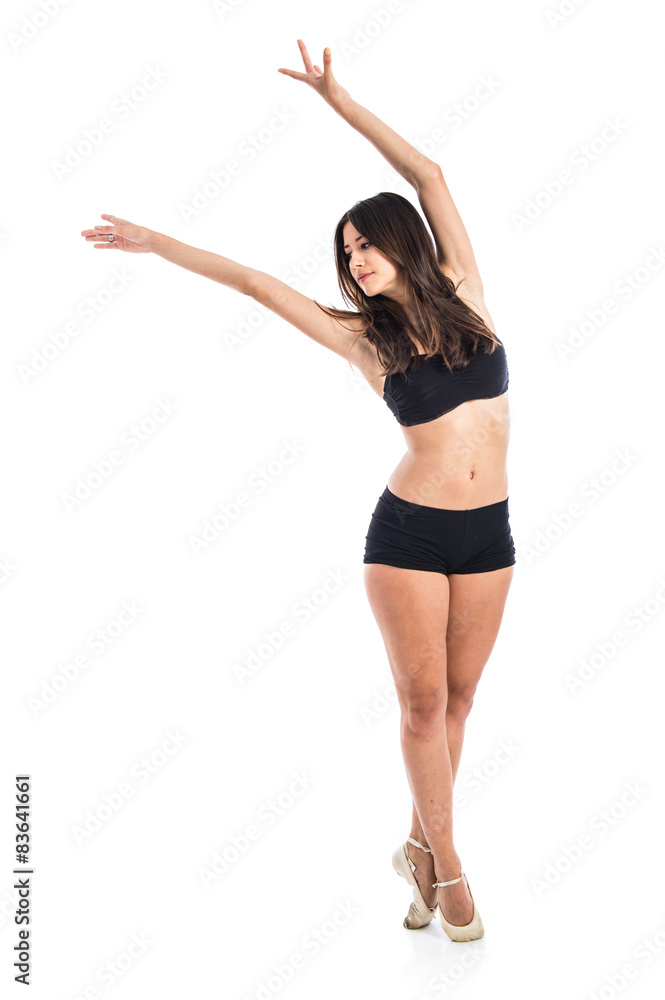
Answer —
413 536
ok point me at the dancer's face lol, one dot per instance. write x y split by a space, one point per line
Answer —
363 258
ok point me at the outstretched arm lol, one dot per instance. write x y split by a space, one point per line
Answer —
454 250
297 309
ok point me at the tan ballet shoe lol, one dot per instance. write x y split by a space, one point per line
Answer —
420 914
462 932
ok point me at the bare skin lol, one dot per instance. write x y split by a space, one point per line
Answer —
438 631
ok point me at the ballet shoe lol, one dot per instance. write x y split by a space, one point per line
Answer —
420 914
462 932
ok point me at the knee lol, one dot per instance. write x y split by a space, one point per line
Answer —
460 701
424 711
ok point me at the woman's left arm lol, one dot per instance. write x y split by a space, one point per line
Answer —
454 250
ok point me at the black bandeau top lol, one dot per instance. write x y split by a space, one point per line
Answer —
435 390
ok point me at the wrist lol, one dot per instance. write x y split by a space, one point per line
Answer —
154 241
341 101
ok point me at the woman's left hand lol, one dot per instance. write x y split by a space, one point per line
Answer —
126 236
321 80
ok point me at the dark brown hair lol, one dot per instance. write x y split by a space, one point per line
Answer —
443 323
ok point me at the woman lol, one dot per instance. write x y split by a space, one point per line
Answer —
439 554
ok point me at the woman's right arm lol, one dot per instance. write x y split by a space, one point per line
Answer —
294 307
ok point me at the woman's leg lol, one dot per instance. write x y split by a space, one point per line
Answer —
476 604
413 609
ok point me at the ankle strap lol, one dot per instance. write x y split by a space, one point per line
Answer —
416 844
451 882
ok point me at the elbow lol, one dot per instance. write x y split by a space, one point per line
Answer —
429 171
255 285
267 290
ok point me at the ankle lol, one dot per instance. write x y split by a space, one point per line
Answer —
421 838
447 868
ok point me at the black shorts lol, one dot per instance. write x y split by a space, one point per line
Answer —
413 536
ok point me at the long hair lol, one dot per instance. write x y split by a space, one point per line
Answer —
442 322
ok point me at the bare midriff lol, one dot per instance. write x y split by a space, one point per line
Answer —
458 460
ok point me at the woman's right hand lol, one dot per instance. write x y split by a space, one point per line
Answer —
127 236
321 80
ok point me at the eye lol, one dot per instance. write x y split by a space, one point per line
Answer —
347 256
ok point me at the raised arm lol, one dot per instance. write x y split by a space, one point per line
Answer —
454 251
296 308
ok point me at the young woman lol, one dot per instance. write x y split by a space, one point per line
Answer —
439 554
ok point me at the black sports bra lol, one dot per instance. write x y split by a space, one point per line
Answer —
435 390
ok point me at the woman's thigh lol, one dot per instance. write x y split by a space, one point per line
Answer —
410 607
476 606
438 630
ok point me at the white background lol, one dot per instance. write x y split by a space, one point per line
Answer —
322 705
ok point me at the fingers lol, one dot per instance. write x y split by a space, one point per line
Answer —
293 73
309 68
101 246
112 226
100 233
305 55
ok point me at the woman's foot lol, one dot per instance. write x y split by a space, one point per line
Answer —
424 873
454 900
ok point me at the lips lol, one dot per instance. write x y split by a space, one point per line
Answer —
361 277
